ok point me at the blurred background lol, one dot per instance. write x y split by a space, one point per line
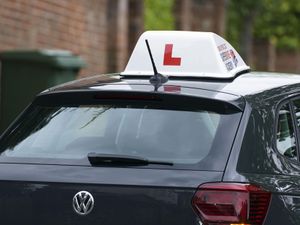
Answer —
103 32
46 42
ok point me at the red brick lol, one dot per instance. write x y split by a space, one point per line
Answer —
75 25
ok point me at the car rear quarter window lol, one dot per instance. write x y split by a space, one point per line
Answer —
296 104
67 133
286 137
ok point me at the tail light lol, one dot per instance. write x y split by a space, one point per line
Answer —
231 204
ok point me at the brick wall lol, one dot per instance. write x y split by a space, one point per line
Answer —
200 15
264 56
288 61
76 25
267 58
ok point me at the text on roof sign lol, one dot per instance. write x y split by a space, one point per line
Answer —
228 57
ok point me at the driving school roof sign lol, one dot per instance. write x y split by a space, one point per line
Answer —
185 53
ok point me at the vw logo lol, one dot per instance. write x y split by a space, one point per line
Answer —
83 203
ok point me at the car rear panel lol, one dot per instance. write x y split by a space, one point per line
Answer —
35 191
40 194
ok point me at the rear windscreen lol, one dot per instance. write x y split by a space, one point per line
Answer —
67 134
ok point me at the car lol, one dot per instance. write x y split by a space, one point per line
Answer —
186 134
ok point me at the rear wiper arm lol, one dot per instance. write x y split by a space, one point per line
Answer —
97 159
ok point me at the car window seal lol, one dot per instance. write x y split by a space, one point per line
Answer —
297 133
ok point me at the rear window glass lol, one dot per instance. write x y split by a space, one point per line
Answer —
286 142
67 134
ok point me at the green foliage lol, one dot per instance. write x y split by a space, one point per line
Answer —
276 20
280 22
159 15
236 12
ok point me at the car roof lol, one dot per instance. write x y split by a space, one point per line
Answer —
259 82
247 84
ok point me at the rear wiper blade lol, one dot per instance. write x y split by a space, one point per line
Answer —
112 159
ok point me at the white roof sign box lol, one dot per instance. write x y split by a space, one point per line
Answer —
185 54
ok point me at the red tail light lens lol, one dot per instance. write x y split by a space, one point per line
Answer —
231 203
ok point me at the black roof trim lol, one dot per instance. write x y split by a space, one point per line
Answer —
187 78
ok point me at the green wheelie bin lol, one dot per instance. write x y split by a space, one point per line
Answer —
25 73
